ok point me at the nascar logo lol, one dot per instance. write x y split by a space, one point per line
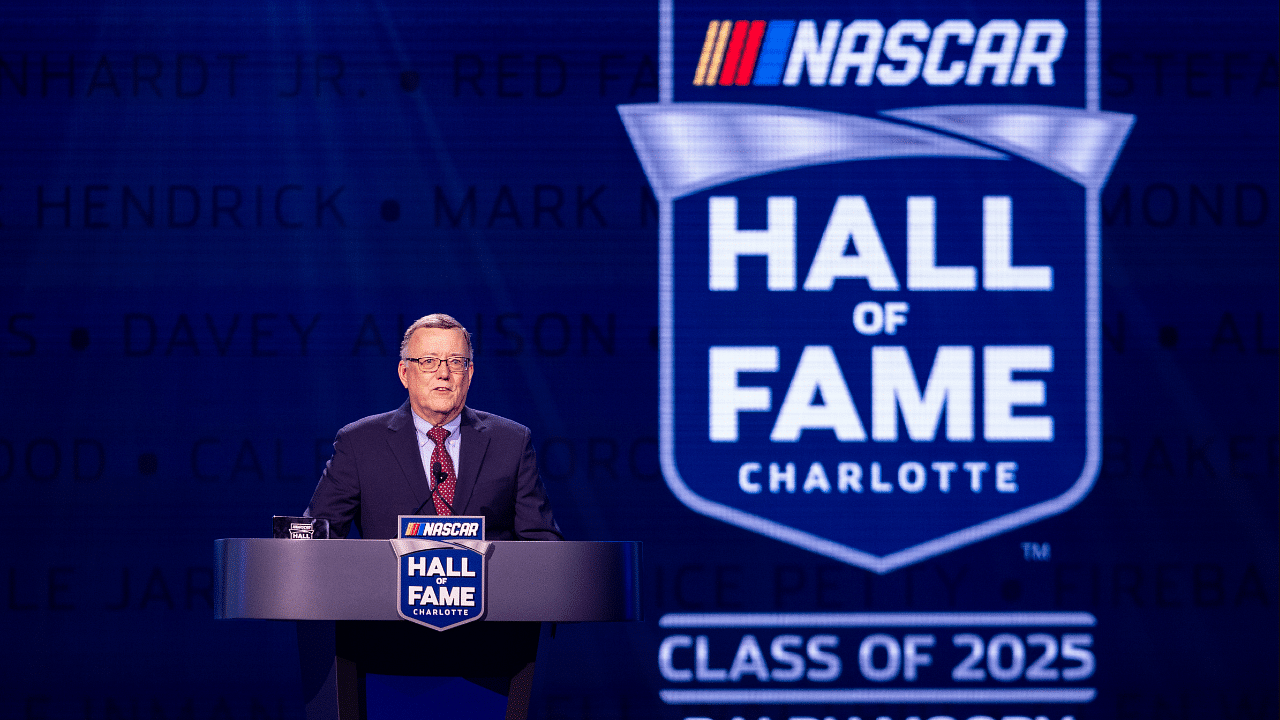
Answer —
440 584
441 579
879 332
442 529
769 53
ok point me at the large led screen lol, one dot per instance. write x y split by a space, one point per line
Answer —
929 349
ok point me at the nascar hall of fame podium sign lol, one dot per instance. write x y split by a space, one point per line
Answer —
441 569
879 267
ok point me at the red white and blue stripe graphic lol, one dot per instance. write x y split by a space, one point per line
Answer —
744 52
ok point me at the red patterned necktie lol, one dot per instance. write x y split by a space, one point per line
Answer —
444 494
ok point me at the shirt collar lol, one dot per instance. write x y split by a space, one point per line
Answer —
422 426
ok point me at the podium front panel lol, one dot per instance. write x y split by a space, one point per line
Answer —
278 579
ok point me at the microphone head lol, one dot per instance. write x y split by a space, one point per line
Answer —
438 472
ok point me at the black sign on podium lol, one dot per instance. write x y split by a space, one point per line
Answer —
345 597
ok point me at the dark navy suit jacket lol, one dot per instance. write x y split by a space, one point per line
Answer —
376 474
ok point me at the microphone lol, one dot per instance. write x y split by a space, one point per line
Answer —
438 475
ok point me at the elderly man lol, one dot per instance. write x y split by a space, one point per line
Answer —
403 462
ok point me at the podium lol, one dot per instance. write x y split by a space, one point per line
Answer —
343 593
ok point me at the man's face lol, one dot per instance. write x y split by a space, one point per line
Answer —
436 397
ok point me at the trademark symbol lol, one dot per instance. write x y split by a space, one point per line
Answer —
79 338
390 210
1035 552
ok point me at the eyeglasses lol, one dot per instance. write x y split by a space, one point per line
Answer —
431 364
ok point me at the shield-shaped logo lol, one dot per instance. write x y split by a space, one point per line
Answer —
879 269
441 584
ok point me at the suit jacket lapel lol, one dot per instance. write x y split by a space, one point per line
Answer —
403 441
475 442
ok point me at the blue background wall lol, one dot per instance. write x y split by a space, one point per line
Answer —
215 222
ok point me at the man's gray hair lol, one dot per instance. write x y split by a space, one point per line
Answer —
438 321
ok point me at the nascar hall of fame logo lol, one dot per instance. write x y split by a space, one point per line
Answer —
879 268
441 579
